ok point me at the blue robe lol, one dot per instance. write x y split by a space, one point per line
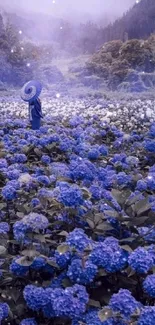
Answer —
35 114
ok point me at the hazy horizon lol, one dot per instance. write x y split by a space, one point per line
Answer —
60 8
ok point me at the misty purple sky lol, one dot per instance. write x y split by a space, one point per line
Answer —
60 7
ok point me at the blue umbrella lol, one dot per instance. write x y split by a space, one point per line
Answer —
31 90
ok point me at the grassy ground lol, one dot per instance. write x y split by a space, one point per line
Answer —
65 63
83 93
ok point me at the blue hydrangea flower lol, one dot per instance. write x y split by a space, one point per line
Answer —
151 250
43 192
81 148
96 192
132 161
43 130
111 257
14 183
35 202
141 185
46 159
62 259
70 302
151 132
82 171
35 221
20 158
150 238
70 196
28 321
13 174
76 120
35 297
119 158
49 268
76 321
78 239
124 303
48 308
149 145
123 179
39 171
52 178
66 144
80 292
147 316
59 169
19 230
118 143
107 196
103 150
58 281
93 154
82 274
150 180
22 142
64 304
4 310
141 260
9 193
149 285
112 242
92 318
43 180
18 269
38 263
4 228
152 169
3 163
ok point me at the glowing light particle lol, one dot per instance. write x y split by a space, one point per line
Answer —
20 32
57 95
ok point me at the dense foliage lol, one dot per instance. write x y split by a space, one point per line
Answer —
128 65
77 224
21 59
13 60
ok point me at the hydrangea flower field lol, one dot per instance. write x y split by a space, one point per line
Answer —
77 223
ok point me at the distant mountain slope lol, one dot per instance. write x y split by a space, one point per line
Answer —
85 38
44 27
65 34
138 22
35 27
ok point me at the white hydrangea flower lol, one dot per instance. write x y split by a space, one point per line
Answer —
24 179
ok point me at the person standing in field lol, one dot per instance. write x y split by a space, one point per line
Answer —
35 113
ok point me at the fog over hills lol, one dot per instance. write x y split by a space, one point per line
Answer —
83 9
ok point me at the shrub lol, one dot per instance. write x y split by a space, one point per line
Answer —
77 236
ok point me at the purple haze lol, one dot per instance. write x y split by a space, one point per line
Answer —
90 8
